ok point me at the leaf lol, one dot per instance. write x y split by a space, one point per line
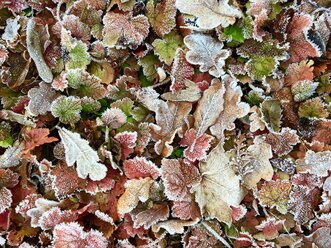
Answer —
317 163
178 177
128 142
37 137
139 167
191 93
85 84
170 117
78 57
271 114
6 199
162 16
296 72
41 99
233 107
275 194
261 168
149 63
185 210
135 190
67 109
313 108
263 57
34 46
209 107
11 157
210 13
78 150
167 47
6 139
113 117
282 143
174 226
270 227
11 31
297 35
72 235
151 216
302 90
124 29
207 52
181 70
197 147
219 187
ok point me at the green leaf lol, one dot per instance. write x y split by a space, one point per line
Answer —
313 108
271 113
234 33
167 47
149 64
6 139
78 56
67 109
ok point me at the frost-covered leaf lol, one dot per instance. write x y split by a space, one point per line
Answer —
127 141
209 107
37 137
41 99
11 31
313 108
189 93
306 180
124 29
6 139
177 177
297 35
174 226
161 16
181 70
219 187
140 167
296 72
151 216
282 143
135 190
185 210
263 56
6 199
197 147
207 52
270 227
67 109
78 56
275 194
210 13
149 64
233 107
85 84
72 235
302 90
113 117
317 163
167 47
170 118
77 150
11 157
35 50
260 153
8 178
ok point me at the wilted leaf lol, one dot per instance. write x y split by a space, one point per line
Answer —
210 13
78 150
206 52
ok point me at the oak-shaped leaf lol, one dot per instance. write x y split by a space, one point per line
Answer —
67 109
219 187
275 194
41 99
170 117
135 190
263 56
233 107
72 235
297 35
282 143
181 70
124 29
35 49
167 47
210 13
77 150
37 137
178 176
260 153
197 147
140 167
149 217
161 16
207 52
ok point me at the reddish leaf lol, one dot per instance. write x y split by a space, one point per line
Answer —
37 137
185 210
140 167
128 142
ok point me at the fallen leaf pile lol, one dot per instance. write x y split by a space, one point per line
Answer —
165 123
